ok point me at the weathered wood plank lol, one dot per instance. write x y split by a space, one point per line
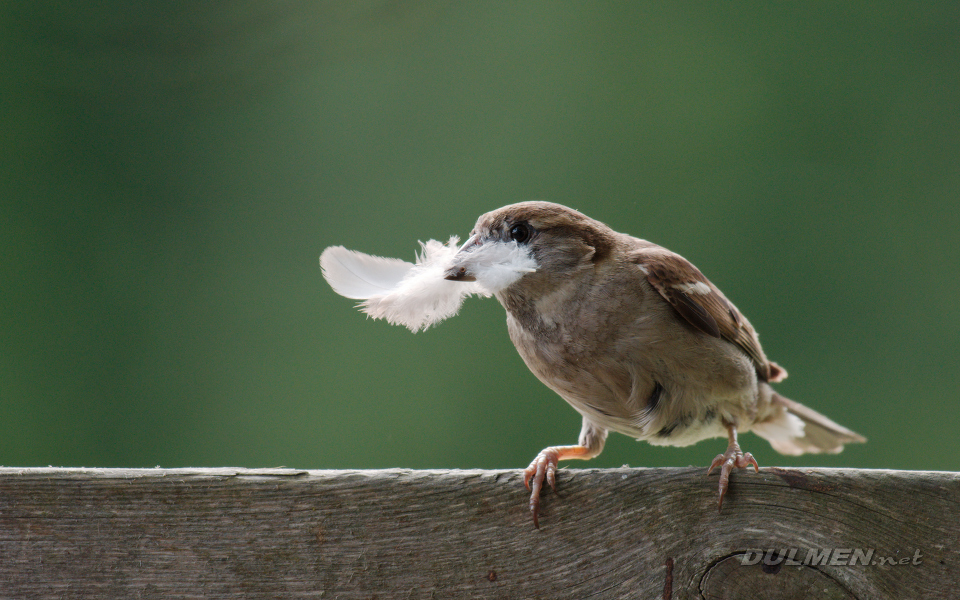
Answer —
619 533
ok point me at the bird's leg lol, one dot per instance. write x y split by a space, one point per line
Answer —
734 457
544 466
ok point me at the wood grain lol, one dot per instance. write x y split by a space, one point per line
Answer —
619 533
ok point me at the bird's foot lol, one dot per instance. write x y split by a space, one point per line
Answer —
544 466
733 458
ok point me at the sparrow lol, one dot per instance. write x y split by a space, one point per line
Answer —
638 341
633 336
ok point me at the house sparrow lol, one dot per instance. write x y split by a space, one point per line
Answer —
630 334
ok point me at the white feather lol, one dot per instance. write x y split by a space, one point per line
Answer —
417 295
413 295
423 297
357 275
497 265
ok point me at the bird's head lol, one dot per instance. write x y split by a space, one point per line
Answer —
529 243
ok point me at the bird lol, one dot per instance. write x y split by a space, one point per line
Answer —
631 335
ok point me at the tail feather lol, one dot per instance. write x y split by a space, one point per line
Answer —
798 429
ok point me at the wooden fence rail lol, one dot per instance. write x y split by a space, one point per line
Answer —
618 533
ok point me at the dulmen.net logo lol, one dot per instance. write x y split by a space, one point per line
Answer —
834 557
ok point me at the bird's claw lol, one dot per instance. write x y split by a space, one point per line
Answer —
543 467
733 458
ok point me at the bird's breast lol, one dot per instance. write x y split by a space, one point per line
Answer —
627 375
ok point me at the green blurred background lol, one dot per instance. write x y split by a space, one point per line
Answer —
170 173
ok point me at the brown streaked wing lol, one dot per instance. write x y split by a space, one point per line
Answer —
671 274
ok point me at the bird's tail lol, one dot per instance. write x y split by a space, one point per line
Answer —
796 429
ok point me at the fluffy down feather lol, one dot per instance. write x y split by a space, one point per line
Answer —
417 295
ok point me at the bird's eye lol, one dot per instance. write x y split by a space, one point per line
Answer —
520 233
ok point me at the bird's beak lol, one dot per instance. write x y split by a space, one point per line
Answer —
459 272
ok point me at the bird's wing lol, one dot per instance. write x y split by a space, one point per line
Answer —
702 305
